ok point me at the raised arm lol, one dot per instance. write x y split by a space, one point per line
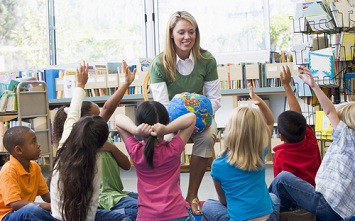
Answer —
265 110
121 159
324 101
112 103
184 125
75 104
285 77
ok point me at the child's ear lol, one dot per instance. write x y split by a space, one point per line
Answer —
18 149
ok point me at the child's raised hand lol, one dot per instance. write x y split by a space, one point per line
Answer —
82 74
307 77
285 75
129 76
252 94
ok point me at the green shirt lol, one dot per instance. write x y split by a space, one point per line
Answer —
204 70
111 188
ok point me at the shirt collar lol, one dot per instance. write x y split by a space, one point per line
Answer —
17 164
191 57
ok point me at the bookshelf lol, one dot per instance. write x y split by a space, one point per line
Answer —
32 111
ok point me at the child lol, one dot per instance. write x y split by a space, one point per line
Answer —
300 153
333 197
112 196
239 173
157 161
21 179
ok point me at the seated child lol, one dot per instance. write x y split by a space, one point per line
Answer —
239 173
21 179
157 161
333 197
299 154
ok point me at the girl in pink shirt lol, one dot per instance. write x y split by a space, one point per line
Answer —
157 161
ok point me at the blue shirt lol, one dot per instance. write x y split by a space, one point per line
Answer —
335 178
246 193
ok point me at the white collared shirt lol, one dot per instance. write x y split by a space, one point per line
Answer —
186 66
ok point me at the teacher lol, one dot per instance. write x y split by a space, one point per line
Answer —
185 67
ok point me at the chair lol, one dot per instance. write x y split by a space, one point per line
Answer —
184 167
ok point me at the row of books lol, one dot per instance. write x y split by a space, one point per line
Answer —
237 76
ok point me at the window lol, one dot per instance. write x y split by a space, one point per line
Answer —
23 35
227 27
97 31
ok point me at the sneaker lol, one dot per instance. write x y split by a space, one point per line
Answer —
297 215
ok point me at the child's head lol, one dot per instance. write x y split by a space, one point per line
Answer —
151 112
245 139
346 112
76 164
21 141
291 126
88 108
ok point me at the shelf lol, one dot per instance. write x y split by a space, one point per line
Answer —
7 117
139 97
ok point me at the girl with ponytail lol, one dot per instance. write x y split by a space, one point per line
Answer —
157 161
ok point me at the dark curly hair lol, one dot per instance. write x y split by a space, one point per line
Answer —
61 116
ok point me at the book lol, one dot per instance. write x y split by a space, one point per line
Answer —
321 65
323 128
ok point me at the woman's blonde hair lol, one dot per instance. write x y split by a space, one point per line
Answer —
245 139
346 112
169 54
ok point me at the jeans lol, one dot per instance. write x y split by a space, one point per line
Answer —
126 208
109 215
189 217
30 212
297 193
213 210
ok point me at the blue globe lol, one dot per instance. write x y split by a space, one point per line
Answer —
192 103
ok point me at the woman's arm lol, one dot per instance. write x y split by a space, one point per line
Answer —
212 90
324 101
265 110
112 103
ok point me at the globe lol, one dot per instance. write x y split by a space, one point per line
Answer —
198 104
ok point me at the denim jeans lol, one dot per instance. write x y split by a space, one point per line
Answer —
30 212
297 193
128 206
213 210
189 217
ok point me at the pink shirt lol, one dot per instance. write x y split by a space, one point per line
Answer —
160 196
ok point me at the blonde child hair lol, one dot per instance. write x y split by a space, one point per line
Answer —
346 112
246 137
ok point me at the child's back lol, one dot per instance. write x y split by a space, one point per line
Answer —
157 161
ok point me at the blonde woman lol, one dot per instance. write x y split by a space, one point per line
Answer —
185 67
239 173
